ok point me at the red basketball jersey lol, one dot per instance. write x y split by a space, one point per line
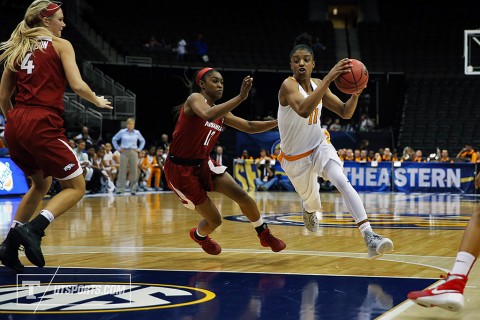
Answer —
194 137
41 79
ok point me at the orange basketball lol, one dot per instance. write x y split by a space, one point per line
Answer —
354 81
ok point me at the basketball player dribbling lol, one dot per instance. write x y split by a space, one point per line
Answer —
307 152
38 63
190 171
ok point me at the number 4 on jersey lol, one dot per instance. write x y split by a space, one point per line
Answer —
27 64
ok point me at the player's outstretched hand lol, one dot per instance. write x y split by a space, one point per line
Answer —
246 86
103 103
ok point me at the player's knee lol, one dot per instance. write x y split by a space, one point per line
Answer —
243 198
215 222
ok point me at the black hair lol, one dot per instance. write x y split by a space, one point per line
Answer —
193 87
302 42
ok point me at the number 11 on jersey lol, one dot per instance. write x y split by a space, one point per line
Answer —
210 134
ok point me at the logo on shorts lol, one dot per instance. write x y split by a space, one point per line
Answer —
68 167
6 179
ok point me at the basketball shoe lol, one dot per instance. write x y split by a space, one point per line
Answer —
377 245
9 254
268 240
310 220
448 295
208 245
30 238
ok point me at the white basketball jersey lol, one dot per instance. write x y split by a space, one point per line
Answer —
297 134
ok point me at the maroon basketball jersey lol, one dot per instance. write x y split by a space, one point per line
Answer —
194 137
41 79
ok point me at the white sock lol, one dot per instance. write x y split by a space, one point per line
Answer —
257 223
16 223
365 227
198 234
47 214
463 263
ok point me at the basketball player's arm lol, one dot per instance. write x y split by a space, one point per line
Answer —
7 87
290 95
344 110
196 104
67 55
249 126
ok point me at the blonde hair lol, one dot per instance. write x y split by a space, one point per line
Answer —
24 38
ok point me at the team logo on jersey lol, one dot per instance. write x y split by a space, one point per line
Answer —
6 179
68 167
34 296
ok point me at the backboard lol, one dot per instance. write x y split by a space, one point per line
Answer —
472 52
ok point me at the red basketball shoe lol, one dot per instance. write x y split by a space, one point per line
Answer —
208 245
268 240
448 295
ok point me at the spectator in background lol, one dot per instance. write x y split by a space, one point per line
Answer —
374 156
160 154
128 142
267 179
418 156
110 167
85 135
201 49
154 170
387 155
318 47
335 126
152 44
349 156
164 143
356 155
142 171
408 154
82 157
181 50
72 143
245 155
366 124
467 154
276 153
221 158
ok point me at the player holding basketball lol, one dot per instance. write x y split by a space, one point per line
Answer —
38 63
449 293
306 148
191 173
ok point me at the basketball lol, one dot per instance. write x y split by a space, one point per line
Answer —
354 81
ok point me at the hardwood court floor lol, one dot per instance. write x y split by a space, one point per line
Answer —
150 231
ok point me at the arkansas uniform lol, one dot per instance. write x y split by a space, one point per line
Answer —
188 168
34 131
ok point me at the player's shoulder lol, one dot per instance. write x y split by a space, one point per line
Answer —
289 82
61 43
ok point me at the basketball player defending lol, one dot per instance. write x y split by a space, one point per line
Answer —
449 293
38 63
306 148
190 171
